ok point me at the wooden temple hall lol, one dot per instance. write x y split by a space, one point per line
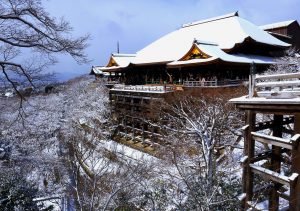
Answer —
209 53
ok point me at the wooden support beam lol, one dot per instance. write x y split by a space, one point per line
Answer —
288 131
274 176
143 131
295 191
284 195
253 206
276 141
249 146
133 127
270 124
261 156
276 162
125 125
267 155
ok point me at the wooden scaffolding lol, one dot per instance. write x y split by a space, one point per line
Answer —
279 136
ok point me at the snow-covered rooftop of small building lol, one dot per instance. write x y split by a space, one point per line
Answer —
118 61
113 68
226 31
277 25
97 70
216 54
123 60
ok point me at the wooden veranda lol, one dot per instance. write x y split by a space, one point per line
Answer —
279 98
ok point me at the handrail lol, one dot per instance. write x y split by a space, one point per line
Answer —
213 83
278 76
276 86
144 88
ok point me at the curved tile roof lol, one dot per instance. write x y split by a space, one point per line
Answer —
226 31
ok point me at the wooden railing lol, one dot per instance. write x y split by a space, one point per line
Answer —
143 88
275 86
214 83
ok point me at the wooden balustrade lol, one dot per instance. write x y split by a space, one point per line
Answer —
145 88
214 83
275 86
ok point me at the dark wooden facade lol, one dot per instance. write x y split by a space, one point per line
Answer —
289 34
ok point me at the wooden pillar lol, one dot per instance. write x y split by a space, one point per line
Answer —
245 165
181 78
133 135
152 133
276 162
125 126
131 105
143 130
295 190
249 146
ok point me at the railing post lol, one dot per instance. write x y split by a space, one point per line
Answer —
252 80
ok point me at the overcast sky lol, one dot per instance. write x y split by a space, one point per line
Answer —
136 23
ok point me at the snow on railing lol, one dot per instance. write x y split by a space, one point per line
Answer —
213 83
144 88
112 82
275 86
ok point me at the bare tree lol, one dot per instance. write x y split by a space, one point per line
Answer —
199 131
26 28
288 63
37 145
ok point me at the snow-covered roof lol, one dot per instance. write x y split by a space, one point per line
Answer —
226 31
121 60
96 70
216 54
112 69
277 25
118 61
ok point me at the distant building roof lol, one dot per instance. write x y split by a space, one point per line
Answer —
277 25
96 70
120 60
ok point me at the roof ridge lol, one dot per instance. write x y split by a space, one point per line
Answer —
211 19
123 55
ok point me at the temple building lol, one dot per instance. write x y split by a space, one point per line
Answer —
213 52
205 57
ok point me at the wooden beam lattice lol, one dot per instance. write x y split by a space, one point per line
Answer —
274 176
269 124
276 141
